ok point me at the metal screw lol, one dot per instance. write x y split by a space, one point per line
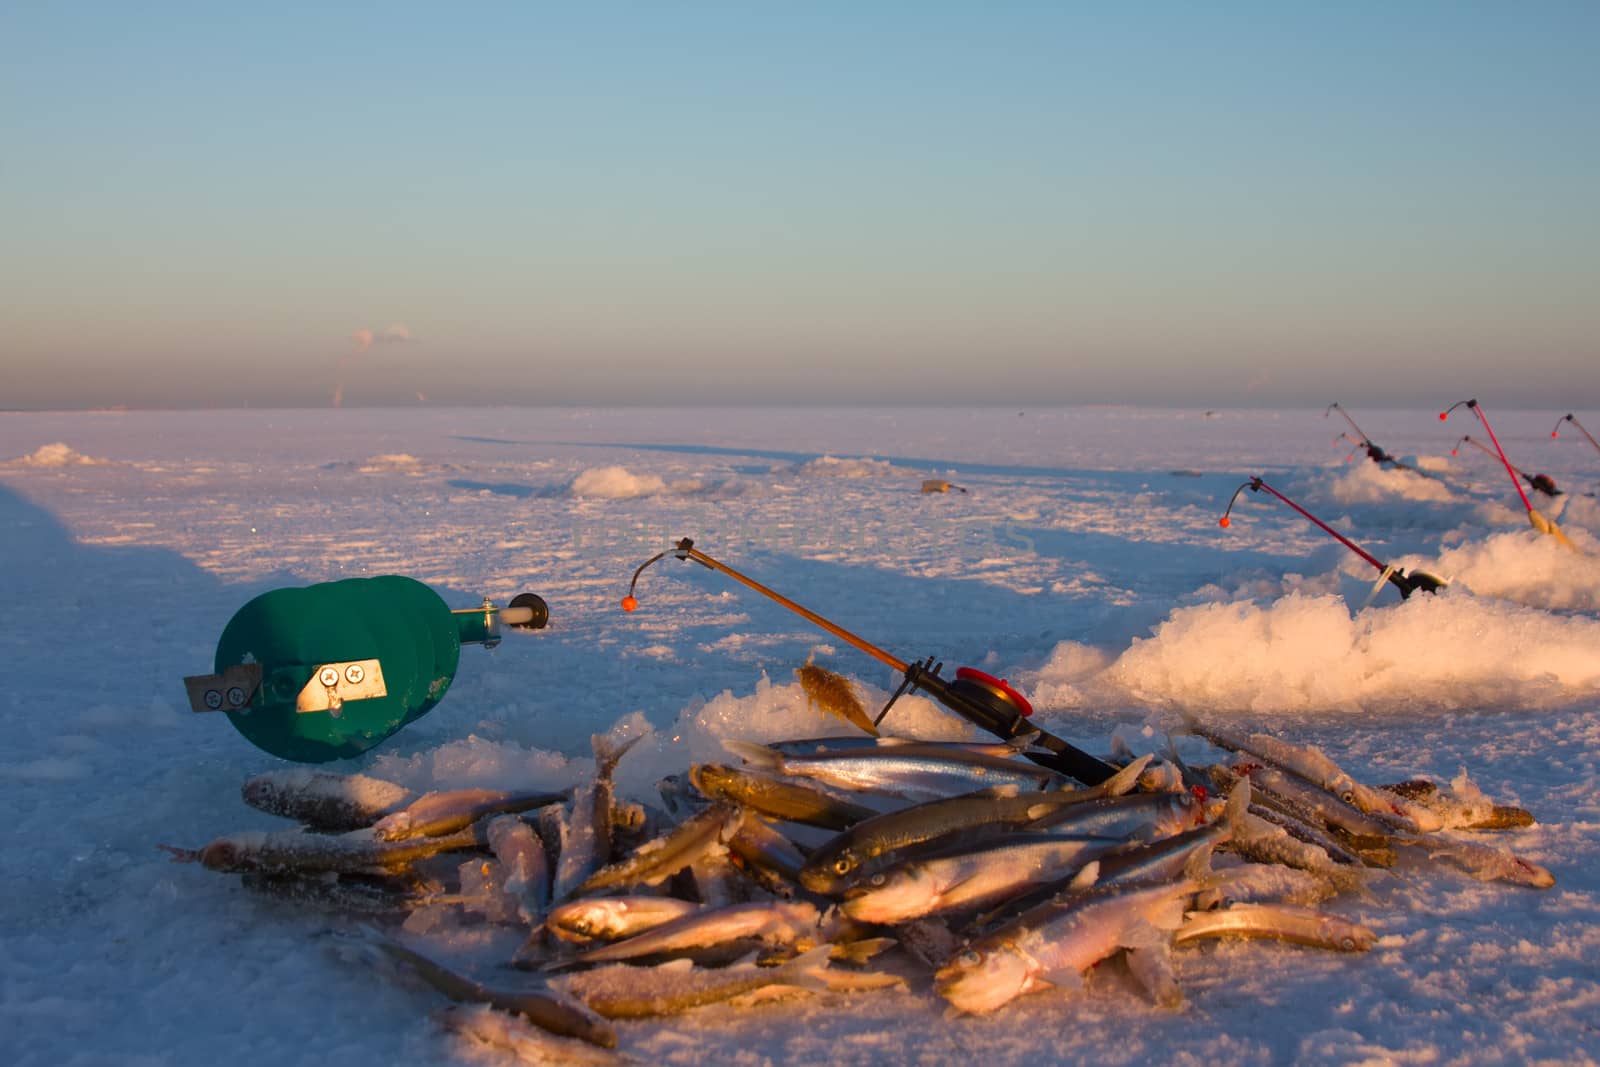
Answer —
329 677
353 674
213 699
235 696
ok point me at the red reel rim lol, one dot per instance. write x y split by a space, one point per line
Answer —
999 686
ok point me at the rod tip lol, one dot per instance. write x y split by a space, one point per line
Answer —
629 603
1224 522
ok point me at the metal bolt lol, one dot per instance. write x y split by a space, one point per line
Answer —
353 674
329 676
235 696
213 699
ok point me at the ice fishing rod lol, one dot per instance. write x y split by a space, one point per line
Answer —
1374 452
1538 521
1542 482
987 702
1568 417
1406 583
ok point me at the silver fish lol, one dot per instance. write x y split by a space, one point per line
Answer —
1311 764
792 801
656 861
490 1028
298 851
1053 944
876 843
545 1008
1004 868
1279 922
324 801
914 771
625 992
527 867
586 842
614 918
445 811
1486 863
775 923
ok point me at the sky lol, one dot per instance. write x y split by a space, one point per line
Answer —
1175 204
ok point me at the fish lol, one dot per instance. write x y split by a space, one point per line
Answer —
771 923
363 895
876 843
1053 944
624 992
325 801
613 918
586 837
443 812
1146 815
1005 867
657 860
286 851
767 856
1279 922
486 1026
791 801
833 693
1487 864
1325 808
527 866
1312 765
915 771
545 1008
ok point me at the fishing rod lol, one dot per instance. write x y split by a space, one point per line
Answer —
987 702
1406 583
1538 521
1568 417
1542 482
1374 452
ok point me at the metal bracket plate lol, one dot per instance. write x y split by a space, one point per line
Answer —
232 690
332 684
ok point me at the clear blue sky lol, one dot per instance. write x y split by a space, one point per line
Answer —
1187 203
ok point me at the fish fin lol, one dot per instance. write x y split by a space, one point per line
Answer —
1066 978
1087 876
1143 934
1026 740
863 950
181 855
805 970
756 755
1124 780
608 753
1237 808
1197 867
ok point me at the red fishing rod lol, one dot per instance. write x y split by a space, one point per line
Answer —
1568 417
1538 521
987 702
1406 583
1542 482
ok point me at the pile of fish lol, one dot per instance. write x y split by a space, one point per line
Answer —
849 864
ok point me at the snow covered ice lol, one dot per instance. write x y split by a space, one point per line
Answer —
1085 565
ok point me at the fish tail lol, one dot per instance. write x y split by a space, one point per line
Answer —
608 753
807 969
759 756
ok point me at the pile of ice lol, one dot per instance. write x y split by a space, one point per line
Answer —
57 454
619 483
1308 653
833 467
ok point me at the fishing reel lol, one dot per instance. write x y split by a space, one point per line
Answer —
983 700
327 671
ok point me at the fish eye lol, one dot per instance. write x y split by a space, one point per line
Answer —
844 865
1347 943
878 879
1348 796
971 958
